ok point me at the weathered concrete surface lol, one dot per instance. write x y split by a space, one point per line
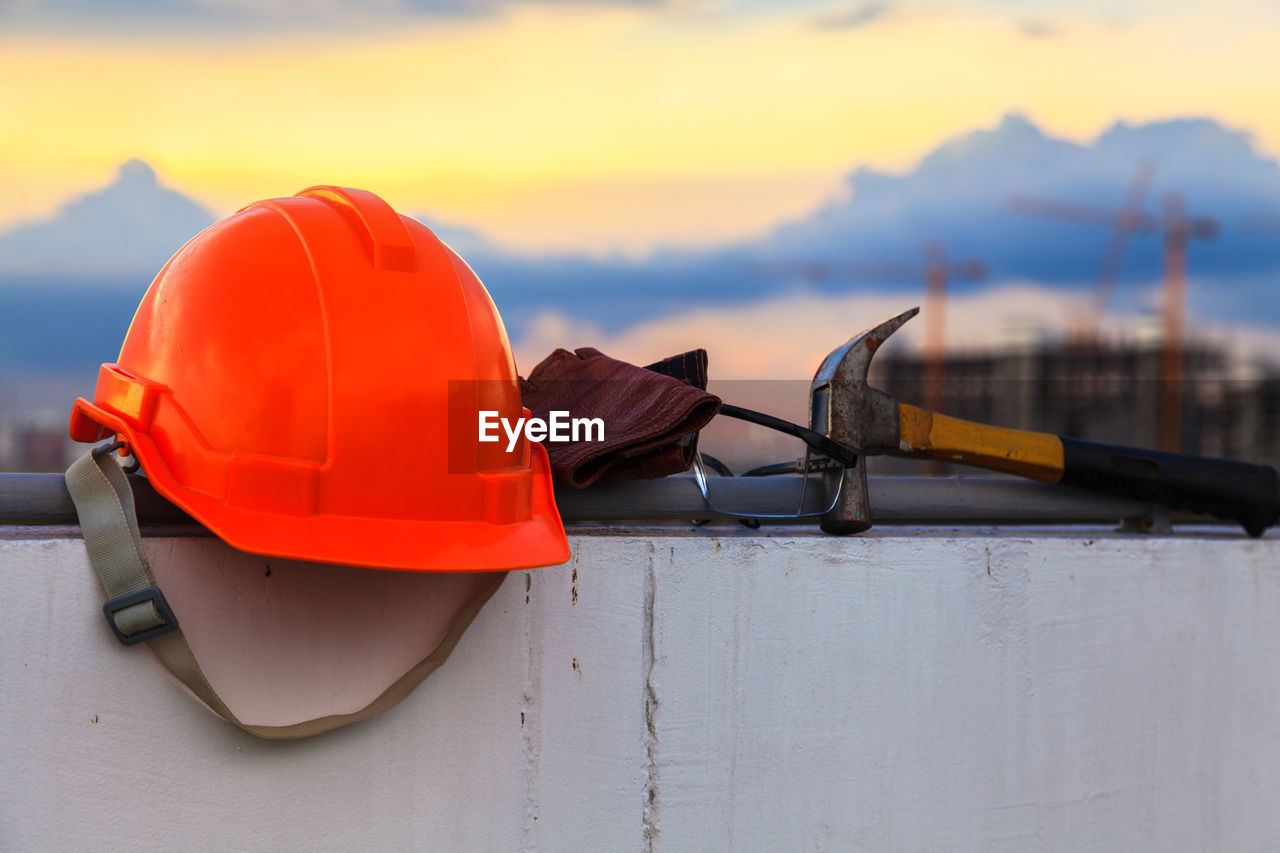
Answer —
705 690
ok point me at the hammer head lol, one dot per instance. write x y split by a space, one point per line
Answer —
843 407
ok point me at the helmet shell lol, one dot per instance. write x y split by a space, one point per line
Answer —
305 379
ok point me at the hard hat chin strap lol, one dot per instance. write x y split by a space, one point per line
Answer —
137 610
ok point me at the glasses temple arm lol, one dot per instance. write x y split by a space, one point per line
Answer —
826 446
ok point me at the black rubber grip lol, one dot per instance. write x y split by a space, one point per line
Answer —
1235 491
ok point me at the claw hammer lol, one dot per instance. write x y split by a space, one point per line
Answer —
844 407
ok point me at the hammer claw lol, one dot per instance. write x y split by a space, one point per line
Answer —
854 356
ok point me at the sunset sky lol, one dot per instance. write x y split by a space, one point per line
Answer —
590 127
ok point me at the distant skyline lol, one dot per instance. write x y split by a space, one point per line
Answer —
589 127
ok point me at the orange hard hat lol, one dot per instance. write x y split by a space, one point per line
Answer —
305 379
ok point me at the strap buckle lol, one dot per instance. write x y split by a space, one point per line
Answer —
168 622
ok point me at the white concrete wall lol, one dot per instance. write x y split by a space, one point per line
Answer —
928 690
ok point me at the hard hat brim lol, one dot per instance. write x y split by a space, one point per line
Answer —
399 544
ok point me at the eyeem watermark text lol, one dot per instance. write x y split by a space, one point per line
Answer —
558 427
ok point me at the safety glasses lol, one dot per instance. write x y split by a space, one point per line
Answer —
830 456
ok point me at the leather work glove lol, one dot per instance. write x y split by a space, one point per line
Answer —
651 414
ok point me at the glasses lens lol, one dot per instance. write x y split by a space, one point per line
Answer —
735 459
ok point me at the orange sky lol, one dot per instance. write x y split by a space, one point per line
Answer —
554 127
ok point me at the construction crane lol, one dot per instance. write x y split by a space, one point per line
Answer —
937 272
1123 222
1178 230
1113 258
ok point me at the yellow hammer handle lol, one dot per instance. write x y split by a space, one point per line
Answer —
928 435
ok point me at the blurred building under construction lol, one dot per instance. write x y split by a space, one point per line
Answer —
35 443
1092 388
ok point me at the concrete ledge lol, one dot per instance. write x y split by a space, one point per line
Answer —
705 690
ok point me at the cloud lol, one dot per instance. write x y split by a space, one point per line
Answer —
960 194
786 336
238 15
852 17
126 229
1038 28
